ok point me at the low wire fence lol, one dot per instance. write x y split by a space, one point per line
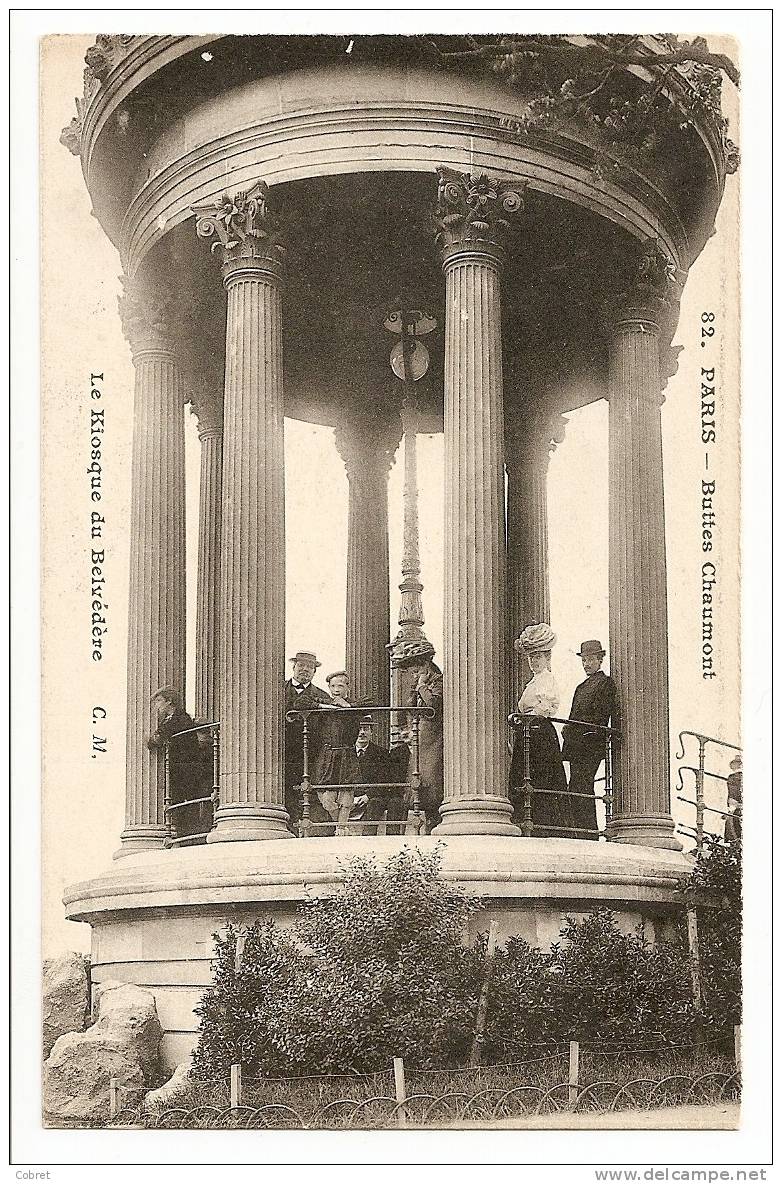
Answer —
570 1077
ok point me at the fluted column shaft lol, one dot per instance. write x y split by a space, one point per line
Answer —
528 571
156 611
207 679
368 617
638 624
252 599
474 703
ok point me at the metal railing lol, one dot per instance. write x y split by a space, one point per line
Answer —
416 818
171 808
700 773
523 724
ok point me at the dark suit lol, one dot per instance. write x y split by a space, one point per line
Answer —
310 697
376 766
189 773
594 702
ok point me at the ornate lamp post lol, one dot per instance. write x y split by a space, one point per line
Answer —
409 362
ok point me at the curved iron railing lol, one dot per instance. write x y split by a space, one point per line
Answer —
171 808
700 773
523 723
416 819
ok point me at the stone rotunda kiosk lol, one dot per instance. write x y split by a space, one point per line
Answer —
327 185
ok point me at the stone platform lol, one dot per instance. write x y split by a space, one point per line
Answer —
154 913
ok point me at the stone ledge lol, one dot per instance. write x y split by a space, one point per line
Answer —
281 872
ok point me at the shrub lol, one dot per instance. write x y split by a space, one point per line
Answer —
380 969
377 970
714 887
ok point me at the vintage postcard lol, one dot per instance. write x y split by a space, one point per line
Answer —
391 554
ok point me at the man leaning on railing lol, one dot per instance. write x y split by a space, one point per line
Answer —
189 765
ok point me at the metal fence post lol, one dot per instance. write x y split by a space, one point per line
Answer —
737 1045
695 958
236 1086
241 938
572 1077
113 1096
483 999
401 1094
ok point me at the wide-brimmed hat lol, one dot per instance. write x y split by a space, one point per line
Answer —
536 639
305 656
414 651
590 649
336 674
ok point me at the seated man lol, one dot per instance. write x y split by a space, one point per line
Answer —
370 764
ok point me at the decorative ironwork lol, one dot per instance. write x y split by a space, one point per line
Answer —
527 791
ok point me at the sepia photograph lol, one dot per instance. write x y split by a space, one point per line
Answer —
391 570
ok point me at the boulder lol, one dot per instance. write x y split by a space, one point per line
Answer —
124 1043
166 1094
65 997
98 989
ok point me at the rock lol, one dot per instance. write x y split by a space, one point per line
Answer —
165 1095
65 997
98 989
123 1043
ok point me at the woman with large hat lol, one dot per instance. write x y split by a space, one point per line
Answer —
540 701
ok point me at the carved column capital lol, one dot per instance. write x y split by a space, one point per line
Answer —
206 403
472 214
249 233
368 445
652 292
532 436
148 313
650 304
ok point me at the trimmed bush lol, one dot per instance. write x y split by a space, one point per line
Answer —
380 969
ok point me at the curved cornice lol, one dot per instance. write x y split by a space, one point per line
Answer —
391 134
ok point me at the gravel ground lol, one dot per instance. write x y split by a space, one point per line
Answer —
724 1116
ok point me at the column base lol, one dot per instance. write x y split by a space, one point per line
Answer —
647 830
241 823
479 815
141 838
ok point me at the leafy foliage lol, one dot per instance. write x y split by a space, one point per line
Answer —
629 99
714 887
382 969
376 971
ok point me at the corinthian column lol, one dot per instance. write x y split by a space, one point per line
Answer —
531 435
252 599
472 214
638 619
207 404
156 600
367 449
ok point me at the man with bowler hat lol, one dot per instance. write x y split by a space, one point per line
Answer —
594 702
301 694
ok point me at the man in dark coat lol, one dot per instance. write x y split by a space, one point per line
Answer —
189 763
368 764
301 694
594 702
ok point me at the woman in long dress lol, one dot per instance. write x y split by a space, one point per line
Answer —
540 701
